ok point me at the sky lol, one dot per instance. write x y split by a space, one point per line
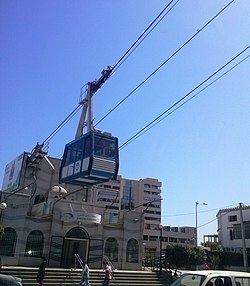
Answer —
200 152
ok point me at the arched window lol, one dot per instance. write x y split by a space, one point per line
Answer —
39 199
111 249
34 244
8 242
132 251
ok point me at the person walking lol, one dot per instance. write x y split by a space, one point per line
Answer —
85 275
108 273
41 272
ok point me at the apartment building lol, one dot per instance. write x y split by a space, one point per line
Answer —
229 228
144 196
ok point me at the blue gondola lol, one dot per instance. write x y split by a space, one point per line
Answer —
91 159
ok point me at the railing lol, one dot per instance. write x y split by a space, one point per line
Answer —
105 258
78 258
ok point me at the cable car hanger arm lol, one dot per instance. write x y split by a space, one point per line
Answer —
92 88
95 85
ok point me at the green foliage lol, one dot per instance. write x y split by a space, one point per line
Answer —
216 259
231 258
176 255
197 256
219 259
189 256
184 256
212 245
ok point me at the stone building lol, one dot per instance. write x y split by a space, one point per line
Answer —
119 219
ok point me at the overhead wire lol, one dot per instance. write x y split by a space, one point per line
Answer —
222 215
192 213
140 39
217 209
163 64
125 56
61 125
147 127
200 91
144 35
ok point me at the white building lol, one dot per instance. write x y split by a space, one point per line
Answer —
229 228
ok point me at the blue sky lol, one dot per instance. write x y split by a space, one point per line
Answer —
200 153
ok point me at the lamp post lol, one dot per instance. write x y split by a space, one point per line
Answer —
196 220
161 229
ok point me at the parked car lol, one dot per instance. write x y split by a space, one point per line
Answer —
8 280
213 278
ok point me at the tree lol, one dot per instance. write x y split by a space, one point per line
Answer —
212 245
197 256
184 256
176 255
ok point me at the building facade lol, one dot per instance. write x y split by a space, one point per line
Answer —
229 228
120 219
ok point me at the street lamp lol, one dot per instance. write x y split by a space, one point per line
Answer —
161 229
3 206
196 220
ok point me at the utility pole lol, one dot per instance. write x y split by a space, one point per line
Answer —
244 249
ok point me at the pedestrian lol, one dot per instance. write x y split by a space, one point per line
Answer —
85 275
41 272
108 273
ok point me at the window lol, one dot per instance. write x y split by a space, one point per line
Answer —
155 187
111 249
237 231
153 238
104 147
231 234
247 229
172 239
132 251
39 199
232 218
8 242
74 152
152 218
242 281
165 239
34 244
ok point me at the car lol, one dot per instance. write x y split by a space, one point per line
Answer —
213 278
9 280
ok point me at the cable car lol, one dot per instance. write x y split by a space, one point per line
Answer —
91 159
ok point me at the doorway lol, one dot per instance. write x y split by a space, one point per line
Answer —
71 247
76 241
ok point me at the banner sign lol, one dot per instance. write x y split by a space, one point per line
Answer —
80 216
12 174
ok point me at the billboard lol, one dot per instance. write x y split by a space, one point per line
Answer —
12 174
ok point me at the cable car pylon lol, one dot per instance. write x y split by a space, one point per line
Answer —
92 158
